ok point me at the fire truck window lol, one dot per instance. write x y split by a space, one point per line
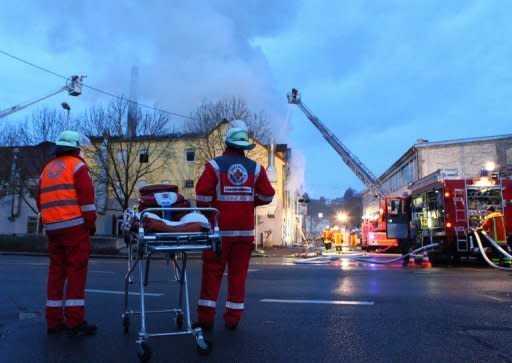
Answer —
393 207
479 198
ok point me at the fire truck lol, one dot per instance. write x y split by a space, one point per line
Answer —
445 208
374 228
379 230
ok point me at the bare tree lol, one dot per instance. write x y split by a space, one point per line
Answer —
46 125
26 151
210 119
119 162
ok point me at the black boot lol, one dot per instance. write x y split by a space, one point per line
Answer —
83 330
231 327
55 330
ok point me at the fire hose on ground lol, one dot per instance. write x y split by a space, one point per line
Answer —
495 245
360 257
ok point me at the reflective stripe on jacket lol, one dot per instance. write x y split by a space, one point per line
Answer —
58 198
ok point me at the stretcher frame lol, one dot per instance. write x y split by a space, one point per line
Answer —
142 246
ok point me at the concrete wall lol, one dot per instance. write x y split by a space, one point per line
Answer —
33 243
18 223
468 159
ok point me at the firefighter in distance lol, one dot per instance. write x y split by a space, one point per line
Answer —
494 226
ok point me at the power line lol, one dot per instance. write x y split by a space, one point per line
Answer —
91 87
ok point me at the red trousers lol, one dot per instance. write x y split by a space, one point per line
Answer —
236 256
67 275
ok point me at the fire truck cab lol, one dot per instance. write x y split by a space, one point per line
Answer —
445 208
391 223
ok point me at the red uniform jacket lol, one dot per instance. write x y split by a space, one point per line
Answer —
85 193
494 225
234 184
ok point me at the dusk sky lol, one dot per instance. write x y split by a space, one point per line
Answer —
379 74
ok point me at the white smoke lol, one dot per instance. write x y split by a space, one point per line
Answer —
186 52
296 181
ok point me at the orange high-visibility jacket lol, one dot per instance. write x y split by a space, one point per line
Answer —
58 199
494 225
338 238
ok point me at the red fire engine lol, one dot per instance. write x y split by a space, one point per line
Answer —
374 228
445 207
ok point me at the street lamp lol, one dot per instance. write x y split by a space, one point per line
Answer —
342 217
67 108
490 166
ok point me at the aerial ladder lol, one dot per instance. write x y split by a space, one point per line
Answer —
73 86
359 169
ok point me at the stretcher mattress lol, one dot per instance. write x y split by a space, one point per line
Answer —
190 222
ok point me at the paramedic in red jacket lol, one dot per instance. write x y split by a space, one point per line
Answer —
65 199
235 185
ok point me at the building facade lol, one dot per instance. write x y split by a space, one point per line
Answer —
182 160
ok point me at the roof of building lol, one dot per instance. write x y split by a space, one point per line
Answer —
425 143
422 144
30 159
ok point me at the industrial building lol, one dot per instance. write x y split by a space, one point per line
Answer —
467 156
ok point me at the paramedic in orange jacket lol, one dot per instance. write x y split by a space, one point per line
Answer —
235 185
65 199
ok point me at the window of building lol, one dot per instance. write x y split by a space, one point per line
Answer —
189 183
33 225
190 154
144 156
122 156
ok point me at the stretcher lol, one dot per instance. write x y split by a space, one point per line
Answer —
153 232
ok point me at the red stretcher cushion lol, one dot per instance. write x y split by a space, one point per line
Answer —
191 222
153 225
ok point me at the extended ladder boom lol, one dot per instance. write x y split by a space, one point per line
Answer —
361 171
73 86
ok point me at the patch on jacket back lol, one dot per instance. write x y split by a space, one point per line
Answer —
237 174
56 169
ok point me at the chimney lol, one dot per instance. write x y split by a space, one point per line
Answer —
131 129
271 170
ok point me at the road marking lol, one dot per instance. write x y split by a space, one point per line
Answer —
332 302
249 270
113 292
494 298
102 272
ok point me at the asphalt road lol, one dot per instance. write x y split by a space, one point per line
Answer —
344 311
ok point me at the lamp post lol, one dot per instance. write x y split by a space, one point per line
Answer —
342 217
68 109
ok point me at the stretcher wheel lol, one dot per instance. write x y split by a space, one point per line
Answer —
204 347
144 352
179 320
126 323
